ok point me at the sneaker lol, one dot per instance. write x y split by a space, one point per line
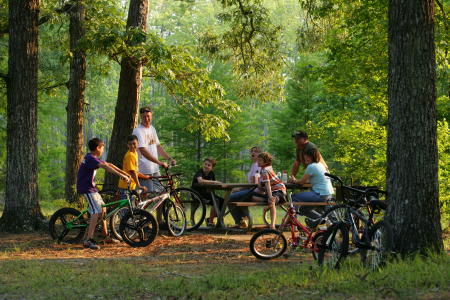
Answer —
110 240
91 245
209 223
243 224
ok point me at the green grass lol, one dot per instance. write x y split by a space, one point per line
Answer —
130 279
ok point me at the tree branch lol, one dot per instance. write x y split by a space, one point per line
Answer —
45 88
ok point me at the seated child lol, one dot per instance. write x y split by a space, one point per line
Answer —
271 188
321 187
206 175
86 187
130 166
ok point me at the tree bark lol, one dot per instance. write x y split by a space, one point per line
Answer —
126 111
412 156
22 211
76 101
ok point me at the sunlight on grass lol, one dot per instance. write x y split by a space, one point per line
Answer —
137 278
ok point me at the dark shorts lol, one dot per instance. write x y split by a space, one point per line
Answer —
281 197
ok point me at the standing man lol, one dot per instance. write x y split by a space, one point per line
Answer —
149 149
302 145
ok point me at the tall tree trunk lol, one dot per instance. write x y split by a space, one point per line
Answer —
412 157
129 93
22 211
76 102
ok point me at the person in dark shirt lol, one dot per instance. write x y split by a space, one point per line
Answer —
302 144
206 175
86 187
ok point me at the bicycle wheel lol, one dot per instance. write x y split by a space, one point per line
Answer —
114 222
175 218
334 247
339 213
380 240
194 207
67 225
336 214
318 239
138 228
267 244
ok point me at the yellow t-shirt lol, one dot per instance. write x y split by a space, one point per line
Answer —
129 164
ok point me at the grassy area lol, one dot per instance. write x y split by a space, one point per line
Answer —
129 279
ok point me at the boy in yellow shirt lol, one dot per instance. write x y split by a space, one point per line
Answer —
130 166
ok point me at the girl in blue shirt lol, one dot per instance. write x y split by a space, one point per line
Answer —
321 189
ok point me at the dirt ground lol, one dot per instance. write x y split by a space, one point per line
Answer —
189 248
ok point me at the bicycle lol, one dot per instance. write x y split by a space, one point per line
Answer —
373 239
139 227
189 200
173 213
270 243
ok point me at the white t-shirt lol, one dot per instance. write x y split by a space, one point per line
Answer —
147 138
255 169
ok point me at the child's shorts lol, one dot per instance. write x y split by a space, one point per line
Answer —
279 195
95 203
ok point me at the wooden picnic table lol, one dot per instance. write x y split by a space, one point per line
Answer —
228 187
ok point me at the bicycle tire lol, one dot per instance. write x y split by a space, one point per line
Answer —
193 206
317 240
114 222
175 218
138 228
380 237
336 214
60 232
278 243
334 248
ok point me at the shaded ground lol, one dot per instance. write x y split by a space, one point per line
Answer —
191 248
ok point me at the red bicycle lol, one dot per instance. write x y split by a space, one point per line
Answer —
270 243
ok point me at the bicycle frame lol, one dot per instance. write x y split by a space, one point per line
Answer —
121 203
158 199
290 220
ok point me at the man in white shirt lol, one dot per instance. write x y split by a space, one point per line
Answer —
149 149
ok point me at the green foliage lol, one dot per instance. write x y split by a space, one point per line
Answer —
251 43
351 139
444 172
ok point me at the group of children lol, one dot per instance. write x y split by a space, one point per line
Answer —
270 188
129 179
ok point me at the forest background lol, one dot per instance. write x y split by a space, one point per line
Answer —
333 85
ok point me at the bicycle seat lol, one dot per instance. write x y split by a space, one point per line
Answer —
378 204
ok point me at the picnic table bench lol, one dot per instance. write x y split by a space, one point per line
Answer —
228 187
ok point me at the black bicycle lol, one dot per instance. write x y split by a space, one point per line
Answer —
371 240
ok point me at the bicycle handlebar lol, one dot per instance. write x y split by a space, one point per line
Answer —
334 177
